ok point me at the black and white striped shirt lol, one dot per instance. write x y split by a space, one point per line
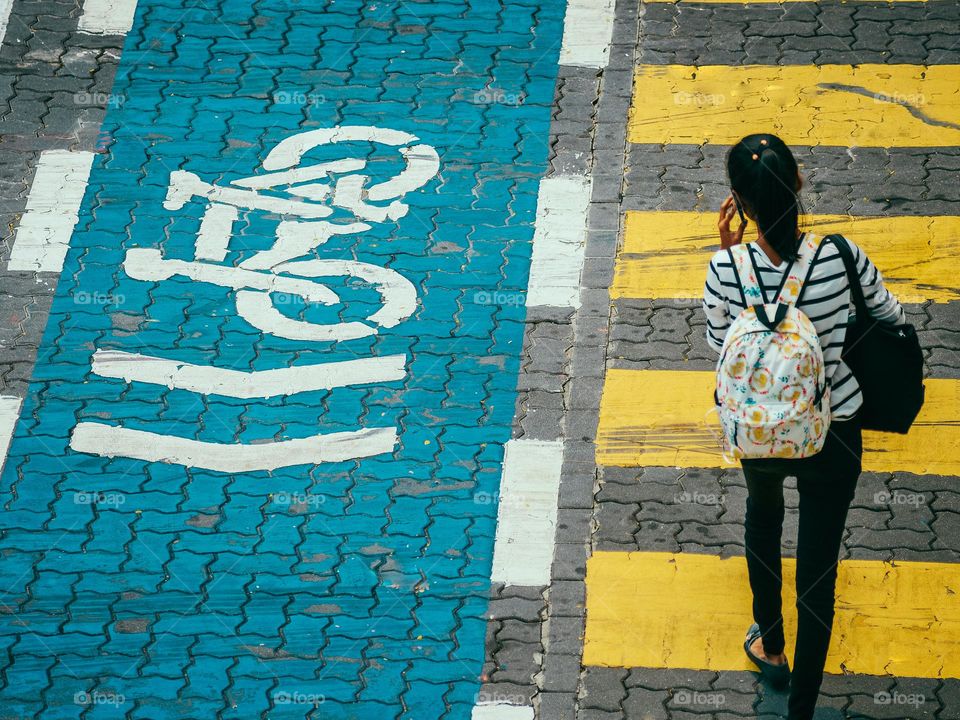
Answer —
826 301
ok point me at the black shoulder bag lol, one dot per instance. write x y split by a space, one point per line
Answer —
885 359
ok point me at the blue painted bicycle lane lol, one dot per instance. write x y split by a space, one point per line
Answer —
272 386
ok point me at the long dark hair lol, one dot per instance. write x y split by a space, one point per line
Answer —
763 174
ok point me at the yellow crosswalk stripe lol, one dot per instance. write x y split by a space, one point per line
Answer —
842 105
665 610
665 254
663 417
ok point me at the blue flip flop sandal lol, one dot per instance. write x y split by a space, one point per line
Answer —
777 675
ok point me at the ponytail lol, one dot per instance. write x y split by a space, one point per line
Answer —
763 173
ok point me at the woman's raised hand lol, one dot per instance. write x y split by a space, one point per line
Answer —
728 237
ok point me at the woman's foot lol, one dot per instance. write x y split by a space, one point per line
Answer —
773 667
757 649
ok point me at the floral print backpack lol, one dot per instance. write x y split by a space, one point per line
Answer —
772 394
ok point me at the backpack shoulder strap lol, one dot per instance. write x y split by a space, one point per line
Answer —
795 279
736 275
746 275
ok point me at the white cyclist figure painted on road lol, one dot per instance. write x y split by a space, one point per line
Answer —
307 197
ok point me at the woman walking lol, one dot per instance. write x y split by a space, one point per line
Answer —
765 182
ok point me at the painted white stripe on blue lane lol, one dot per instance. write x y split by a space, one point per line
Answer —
527 515
113 441
210 380
43 235
559 241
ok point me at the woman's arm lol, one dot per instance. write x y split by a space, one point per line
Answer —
715 308
714 303
881 303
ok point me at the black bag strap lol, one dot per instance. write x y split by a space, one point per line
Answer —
853 275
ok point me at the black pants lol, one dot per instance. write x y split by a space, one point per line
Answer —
826 483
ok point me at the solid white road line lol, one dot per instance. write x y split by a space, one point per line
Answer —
587 32
559 240
9 412
107 17
53 205
527 516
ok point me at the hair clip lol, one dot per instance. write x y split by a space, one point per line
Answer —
756 157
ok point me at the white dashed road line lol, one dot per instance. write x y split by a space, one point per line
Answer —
9 412
107 17
587 32
5 7
559 240
501 711
43 235
527 516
